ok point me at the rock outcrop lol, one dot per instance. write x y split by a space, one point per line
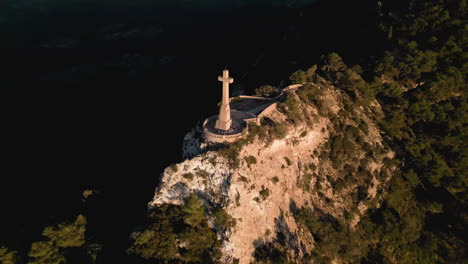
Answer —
326 156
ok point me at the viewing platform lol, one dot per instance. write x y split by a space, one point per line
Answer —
231 125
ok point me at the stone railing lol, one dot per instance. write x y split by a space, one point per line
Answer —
220 138
252 97
285 90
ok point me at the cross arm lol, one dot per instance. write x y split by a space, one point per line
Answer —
228 80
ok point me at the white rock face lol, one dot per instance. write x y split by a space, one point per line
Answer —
277 167
209 179
193 145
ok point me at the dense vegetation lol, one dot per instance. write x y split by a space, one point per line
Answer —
66 242
181 234
421 87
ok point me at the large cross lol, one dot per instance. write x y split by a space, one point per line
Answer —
226 81
224 121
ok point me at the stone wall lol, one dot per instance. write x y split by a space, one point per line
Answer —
268 110
254 97
217 138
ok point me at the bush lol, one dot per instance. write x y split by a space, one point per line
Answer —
243 179
264 192
7 256
312 166
364 128
254 131
266 91
188 176
194 210
339 185
222 219
178 234
202 173
269 253
250 160
288 161
212 161
353 131
306 182
301 76
60 239
309 93
237 199
174 168
231 152
280 130
290 106
275 180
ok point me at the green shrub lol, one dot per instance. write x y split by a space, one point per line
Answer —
222 219
301 76
270 253
7 256
290 106
243 179
256 130
60 239
288 161
250 160
212 161
266 91
364 127
188 176
312 166
309 93
339 185
88 193
231 152
202 173
237 199
280 130
275 180
306 182
194 210
264 192
353 131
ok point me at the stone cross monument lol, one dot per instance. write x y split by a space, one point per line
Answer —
224 121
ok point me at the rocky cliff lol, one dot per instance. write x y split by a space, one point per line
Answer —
319 154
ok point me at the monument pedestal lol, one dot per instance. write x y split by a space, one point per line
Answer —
224 121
